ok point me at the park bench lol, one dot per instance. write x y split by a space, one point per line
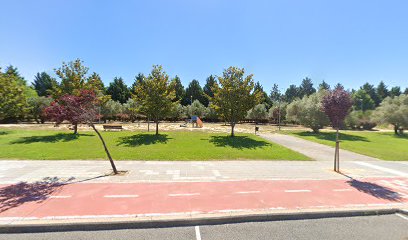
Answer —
112 127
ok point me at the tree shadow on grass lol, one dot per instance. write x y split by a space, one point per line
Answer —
59 137
331 136
3 133
17 194
239 142
143 139
374 190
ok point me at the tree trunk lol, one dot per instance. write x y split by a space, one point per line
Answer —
106 149
232 129
157 127
148 124
76 128
396 129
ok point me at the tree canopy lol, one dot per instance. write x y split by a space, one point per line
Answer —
44 83
118 90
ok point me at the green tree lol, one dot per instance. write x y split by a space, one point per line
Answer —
264 98
196 109
155 96
138 79
372 91
118 90
111 109
44 83
13 100
96 81
193 92
382 92
234 95
406 91
324 86
394 111
178 88
209 85
74 79
275 95
306 87
308 111
258 113
131 108
362 100
292 93
395 91
37 105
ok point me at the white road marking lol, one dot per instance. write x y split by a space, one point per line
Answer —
248 192
182 194
384 169
295 191
343 190
402 216
67 196
121 196
197 231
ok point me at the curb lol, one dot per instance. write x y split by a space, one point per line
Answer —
208 220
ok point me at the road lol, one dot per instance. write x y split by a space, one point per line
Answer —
387 227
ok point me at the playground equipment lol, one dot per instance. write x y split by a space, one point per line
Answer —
195 121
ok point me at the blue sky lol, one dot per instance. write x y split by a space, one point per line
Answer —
345 41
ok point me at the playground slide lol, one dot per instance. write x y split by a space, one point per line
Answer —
199 122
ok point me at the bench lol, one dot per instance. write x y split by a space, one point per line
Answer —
112 127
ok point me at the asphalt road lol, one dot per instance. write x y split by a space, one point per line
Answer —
387 227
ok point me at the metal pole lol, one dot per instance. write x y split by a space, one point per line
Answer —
279 115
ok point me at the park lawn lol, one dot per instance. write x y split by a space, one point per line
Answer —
382 145
57 145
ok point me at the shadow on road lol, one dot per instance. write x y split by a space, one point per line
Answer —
374 190
239 142
17 194
143 139
331 136
64 137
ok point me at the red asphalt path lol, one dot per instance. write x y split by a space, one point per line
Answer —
82 200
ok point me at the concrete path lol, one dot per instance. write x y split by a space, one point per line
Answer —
314 150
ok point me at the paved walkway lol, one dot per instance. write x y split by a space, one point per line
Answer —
314 150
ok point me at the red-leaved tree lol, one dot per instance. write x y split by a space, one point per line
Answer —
336 104
77 109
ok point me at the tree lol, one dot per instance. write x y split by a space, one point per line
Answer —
406 91
276 95
96 81
258 113
306 87
382 92
395 91
308 111
372 92
178 88
394 111
111 109
196 109
336 104
155 95
360 120
234 95
277 113
37 106
324 86
131 108
264 98
292 93
193 92
138 80
362 100
118 90
13 100
74 79
44 83
209 85
80 108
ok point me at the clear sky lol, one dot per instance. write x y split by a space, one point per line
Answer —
347 41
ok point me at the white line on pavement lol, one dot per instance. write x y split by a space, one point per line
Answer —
402 216
197 231
121 196
248 192
342 190
295 191
59 196
182 194
384 169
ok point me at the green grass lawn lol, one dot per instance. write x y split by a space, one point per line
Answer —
46 144
382 145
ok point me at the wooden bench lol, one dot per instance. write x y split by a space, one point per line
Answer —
112 127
